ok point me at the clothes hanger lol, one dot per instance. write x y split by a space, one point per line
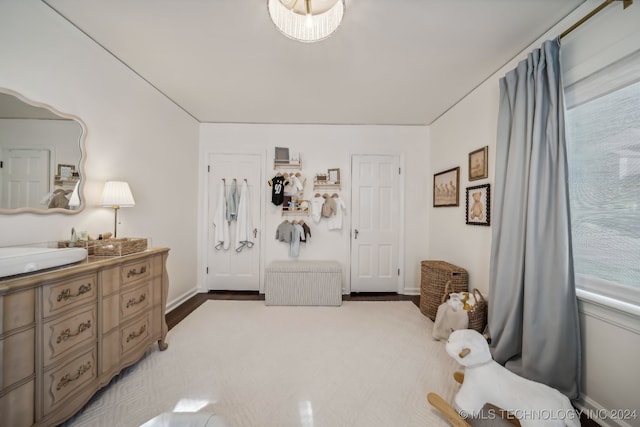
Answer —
325 195
335 195
278 173
317 195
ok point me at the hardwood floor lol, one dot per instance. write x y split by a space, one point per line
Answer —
175 316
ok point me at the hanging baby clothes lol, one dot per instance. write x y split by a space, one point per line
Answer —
244 224
316 207
233 200
277 184
329 206
335 222
294 245
296 185
307 231
220 224
284 232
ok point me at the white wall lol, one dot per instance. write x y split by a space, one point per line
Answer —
325 147
608 381
134 134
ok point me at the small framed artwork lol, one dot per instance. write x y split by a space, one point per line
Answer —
281 155
479 205
479 164
334 176
446 188
66 171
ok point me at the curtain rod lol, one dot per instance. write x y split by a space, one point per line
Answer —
625 4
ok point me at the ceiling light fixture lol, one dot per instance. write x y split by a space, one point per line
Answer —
306 20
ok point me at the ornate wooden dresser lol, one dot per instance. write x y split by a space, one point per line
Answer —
65 333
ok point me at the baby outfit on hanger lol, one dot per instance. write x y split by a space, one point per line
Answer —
277 184
335 222
284 232
329 207
316 203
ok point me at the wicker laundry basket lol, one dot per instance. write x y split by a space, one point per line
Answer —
434 277
479 313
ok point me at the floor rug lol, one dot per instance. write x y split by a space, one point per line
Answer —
362 364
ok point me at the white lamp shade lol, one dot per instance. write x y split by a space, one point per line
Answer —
117 194
74 201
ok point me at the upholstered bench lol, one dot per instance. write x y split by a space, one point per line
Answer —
303 283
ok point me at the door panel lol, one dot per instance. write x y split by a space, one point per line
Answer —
230 269
26 178
375 235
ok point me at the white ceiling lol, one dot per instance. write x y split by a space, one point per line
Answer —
401 62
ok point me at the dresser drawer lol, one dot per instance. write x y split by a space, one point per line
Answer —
69 293
135 272
17 408
62 382
17 357
135 334
17 309
68 333
136 301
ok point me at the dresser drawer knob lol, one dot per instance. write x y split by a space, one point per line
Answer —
66 334
68 379
134 301
134 272
66 293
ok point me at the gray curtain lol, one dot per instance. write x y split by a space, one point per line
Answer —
533 315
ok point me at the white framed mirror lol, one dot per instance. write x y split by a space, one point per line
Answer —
41 157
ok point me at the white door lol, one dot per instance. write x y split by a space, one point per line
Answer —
231 269
26 178
375 233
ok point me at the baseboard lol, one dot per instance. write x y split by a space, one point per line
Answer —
596 412
411 291
181 299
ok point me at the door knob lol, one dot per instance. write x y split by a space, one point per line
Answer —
356 233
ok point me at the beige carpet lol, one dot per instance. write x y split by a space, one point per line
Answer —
363 364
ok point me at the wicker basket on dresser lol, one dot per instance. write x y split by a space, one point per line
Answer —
67 332
434 278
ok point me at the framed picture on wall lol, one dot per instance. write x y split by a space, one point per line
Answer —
446 188
479 205
334 176
479 164
281 155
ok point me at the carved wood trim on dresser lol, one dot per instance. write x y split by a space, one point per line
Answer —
65 333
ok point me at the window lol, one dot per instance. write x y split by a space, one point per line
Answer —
603 138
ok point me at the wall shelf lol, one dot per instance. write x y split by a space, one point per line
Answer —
287 165
287 210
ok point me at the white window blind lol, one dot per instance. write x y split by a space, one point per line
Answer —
603 136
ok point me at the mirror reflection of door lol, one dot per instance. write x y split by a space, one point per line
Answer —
25 178
37 145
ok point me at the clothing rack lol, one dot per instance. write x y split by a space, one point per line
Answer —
625 4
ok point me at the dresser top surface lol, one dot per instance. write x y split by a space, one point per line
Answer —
90 265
